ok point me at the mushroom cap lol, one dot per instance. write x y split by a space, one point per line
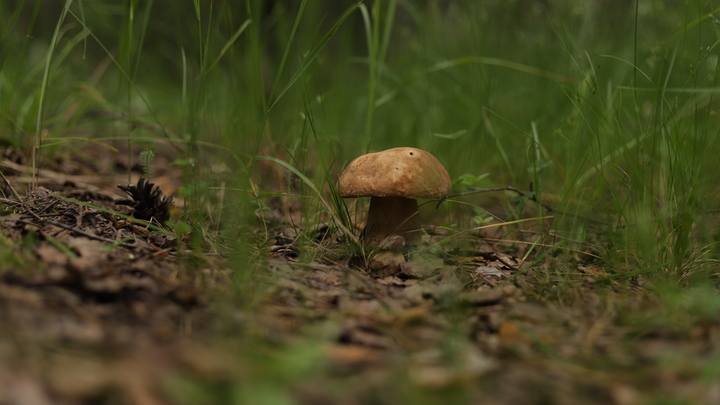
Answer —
399 172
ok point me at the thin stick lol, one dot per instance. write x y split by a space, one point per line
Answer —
554 235
87 234
15 193
511 188
488 190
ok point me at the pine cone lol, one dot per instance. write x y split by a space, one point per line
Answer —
147 204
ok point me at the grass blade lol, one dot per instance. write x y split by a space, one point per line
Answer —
313 54
312 186
229 43
43 90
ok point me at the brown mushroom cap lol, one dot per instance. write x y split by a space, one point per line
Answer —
399 172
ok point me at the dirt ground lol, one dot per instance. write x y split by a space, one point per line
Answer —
98 308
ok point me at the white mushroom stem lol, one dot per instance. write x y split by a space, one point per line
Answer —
390 216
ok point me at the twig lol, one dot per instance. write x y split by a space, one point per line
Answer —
502 260
554 235
49 176
45 208
15 193
10 202
533 198
488 190
87 234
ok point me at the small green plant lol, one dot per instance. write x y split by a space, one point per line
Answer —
481 217
147 156
470 180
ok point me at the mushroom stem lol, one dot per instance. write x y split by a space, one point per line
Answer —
389 216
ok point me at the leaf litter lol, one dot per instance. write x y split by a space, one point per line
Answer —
98 307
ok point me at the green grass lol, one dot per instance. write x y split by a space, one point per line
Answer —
608 110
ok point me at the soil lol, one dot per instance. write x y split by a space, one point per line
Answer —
101 306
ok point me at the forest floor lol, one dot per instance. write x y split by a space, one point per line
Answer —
99 309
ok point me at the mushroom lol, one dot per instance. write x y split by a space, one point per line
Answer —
394 179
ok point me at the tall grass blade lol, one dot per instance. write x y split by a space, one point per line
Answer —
313 54
126 76
43 91
286 52
228 44
317 192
